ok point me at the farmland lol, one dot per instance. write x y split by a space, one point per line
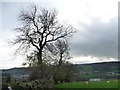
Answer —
81 78
101 84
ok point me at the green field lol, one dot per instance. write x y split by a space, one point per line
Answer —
101 84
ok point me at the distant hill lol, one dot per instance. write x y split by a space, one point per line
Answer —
104 70
101 67
16 71
83 71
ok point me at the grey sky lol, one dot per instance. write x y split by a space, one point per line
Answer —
97 39
97 28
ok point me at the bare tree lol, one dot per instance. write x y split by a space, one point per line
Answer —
59 49
63 50
40 27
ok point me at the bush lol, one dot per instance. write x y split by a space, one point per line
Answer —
17 87
4 87
42 83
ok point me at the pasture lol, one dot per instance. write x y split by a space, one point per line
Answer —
101 84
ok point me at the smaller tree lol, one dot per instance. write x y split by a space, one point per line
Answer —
59 50
62 50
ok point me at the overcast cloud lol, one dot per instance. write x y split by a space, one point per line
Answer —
97 39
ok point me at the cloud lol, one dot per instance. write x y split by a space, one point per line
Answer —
8 58
98 39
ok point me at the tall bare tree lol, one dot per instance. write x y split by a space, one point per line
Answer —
39 28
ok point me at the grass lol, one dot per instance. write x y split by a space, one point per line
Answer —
101 84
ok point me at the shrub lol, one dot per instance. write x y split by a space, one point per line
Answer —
4 87
17 87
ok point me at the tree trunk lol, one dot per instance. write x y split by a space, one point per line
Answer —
39 57
40 64
60 60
